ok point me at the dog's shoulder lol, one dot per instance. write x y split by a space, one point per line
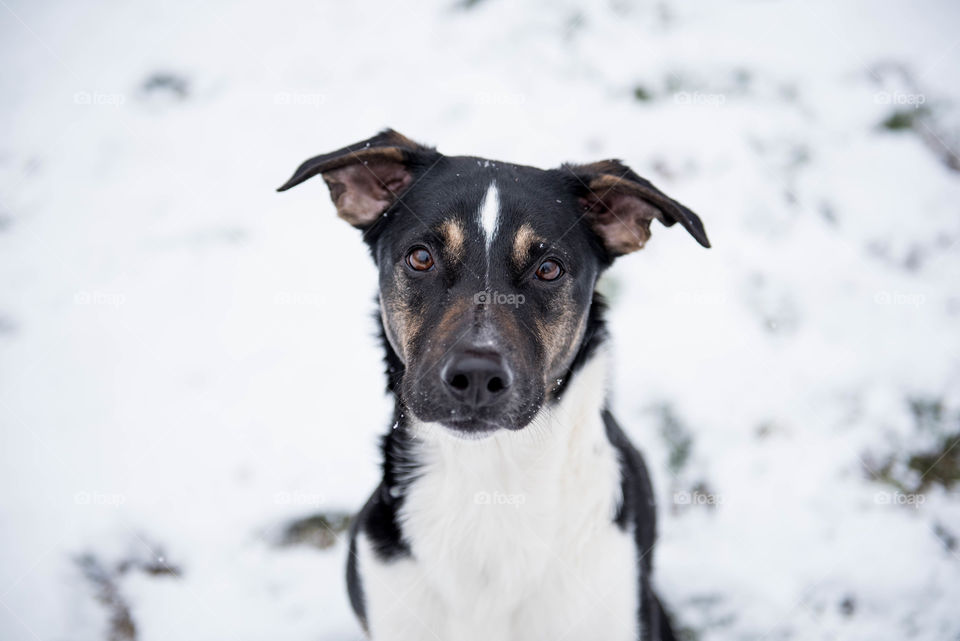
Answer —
638 507
379 519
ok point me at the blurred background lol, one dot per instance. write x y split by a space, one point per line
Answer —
190 387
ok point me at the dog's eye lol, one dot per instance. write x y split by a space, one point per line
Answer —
549 270
420 259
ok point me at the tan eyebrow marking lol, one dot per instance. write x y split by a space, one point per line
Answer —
522 241
454 238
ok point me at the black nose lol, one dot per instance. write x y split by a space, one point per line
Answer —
476 378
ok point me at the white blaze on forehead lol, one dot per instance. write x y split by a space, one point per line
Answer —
490 213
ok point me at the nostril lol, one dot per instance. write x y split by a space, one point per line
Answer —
476 379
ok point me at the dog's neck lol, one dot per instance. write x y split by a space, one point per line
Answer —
558 461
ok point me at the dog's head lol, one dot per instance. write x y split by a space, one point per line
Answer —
487 269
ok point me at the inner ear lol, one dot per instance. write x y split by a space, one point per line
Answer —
363 191
367 177
621 220
619 205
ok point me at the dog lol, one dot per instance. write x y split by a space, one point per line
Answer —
512 506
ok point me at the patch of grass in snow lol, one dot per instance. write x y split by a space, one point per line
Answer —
121 626
678 438
945 536
928 413
918 112
106 580
684 633
940 466
916 472
686 493
642 94
902 119
688 87
166 84
711 613
321 530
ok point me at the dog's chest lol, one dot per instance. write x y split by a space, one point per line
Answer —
494 514
510 538
513 537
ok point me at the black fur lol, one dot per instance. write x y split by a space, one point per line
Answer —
638 510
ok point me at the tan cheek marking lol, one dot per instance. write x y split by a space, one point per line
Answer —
402 321
412 323
455 240
560 337
522 241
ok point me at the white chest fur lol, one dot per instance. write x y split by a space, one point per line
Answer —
512 536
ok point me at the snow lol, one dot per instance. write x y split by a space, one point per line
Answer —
187 358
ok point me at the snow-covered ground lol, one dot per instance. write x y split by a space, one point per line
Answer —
182 373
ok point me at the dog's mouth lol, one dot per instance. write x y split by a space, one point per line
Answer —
474 428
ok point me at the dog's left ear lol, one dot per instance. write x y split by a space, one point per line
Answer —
620 205
367 177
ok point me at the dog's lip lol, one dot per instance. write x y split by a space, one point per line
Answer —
473 426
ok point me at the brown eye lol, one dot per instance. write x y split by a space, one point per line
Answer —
420 259
549 270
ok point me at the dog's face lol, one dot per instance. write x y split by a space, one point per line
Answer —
487 269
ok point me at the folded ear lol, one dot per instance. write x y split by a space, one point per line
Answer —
620 206
367 177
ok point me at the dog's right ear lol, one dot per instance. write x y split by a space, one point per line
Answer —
367 177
